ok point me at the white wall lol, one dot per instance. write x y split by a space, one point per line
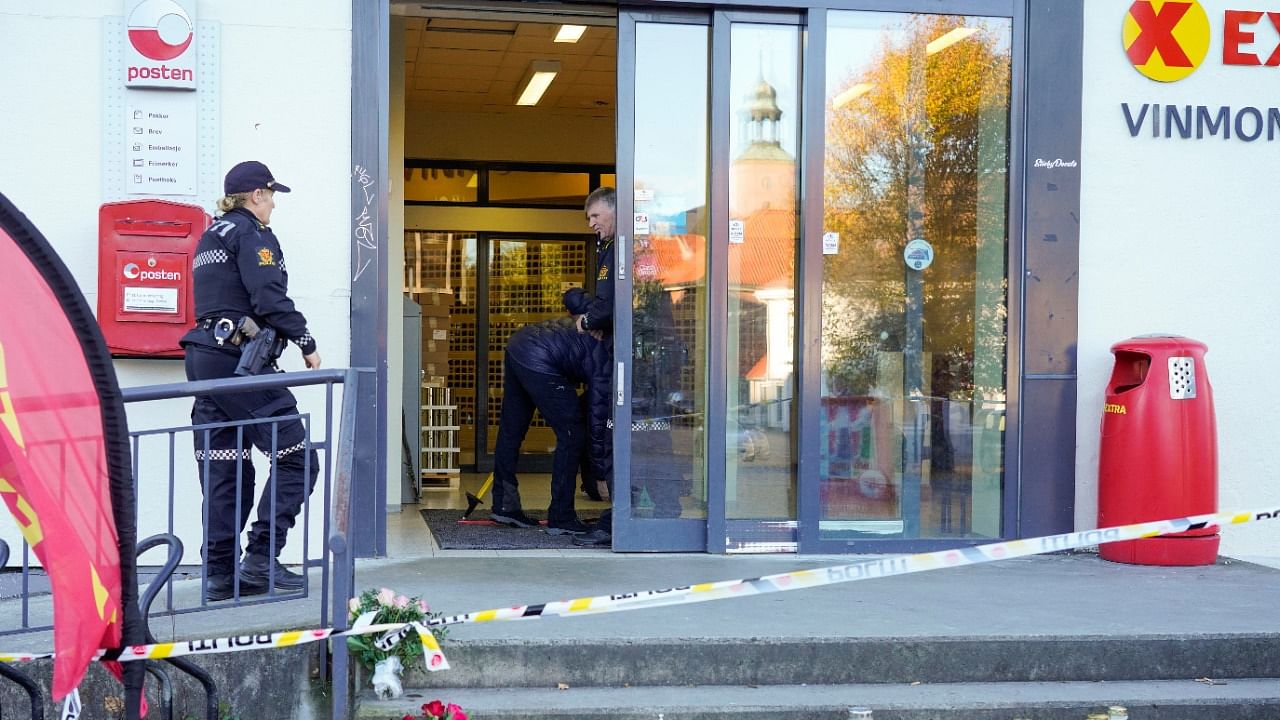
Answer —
1179 236
285 98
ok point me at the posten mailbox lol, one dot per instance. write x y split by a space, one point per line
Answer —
1159 453
145 298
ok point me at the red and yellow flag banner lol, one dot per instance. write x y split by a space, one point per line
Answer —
54 468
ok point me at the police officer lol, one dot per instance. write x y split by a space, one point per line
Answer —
594 314
239 272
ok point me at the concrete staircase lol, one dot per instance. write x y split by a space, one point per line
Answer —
1162 677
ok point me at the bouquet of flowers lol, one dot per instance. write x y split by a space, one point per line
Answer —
391 608
436 710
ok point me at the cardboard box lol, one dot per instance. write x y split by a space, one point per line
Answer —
435 368
434 303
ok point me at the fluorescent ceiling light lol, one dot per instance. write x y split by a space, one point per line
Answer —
536 80
851 94
570 33
949 39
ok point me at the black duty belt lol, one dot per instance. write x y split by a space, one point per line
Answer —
224 329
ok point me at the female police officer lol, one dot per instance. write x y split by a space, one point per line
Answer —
239 272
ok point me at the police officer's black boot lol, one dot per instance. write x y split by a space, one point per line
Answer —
257 568
221 586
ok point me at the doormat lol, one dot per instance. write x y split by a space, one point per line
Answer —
480 533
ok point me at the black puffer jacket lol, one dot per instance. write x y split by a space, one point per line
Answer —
555 347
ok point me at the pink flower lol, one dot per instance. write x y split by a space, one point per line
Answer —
402 602
408 717
386 597
453 712
423 607
433 709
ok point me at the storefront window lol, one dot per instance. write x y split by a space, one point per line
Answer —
914 293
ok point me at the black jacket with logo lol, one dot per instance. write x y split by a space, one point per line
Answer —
239 270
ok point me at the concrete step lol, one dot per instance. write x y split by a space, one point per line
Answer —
816 661
1237 699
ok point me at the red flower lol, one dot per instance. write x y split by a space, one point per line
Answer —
433 709
407 717
454 712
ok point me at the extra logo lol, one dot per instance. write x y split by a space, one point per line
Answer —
160 29
265 257
1166 40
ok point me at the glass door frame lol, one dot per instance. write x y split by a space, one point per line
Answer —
710 536
809 284
483 462
630 534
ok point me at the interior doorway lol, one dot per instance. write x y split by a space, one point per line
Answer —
508 124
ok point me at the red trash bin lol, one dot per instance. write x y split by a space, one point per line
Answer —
1159 452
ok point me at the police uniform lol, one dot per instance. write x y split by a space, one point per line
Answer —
239 271
596 310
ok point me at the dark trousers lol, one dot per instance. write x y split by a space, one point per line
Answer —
556 397
225 465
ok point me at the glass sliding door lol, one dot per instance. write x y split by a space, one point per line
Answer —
812 333
763 120
914 283
660 499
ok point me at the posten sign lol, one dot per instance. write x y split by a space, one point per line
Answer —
160 44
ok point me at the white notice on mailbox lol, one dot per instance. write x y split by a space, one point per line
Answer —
151 300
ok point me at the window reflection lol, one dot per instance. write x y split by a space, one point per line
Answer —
669 272
763 174
913 361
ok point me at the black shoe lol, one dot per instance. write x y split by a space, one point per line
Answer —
668 510
222 587
568 527
257 569
596 538
516 519
592 491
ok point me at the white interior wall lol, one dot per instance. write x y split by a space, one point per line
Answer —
395 264
1175 237
285 96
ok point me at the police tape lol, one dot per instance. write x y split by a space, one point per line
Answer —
685 594
863 570
393 633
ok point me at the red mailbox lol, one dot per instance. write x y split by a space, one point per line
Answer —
1159 453
145 300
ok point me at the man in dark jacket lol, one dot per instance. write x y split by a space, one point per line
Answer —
542 367
593 313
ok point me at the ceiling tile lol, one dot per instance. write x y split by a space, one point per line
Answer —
428 57
465 40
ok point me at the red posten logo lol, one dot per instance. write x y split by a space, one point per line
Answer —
160 29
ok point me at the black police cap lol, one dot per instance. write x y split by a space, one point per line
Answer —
248 176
